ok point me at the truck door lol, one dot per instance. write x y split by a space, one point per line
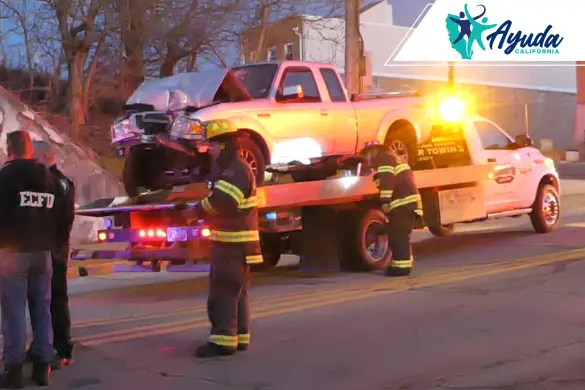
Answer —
343 129
502 189
299 126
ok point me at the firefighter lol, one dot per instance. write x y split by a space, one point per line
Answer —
231 207
401 203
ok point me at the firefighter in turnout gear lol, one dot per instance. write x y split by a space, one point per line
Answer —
231 207
400 201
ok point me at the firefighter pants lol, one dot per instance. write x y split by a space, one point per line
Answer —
400 226
228 305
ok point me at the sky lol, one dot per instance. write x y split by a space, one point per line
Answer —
405 12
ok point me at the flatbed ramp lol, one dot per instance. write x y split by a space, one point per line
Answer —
329 192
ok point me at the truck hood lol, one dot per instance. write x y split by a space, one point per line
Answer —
200 89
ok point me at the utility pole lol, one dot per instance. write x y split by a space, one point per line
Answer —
451 75
352 46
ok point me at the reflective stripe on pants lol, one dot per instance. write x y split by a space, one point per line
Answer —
228 303
400 226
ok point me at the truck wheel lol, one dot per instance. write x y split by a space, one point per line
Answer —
546 209
403 143
141 172
441 230
369 247
252 153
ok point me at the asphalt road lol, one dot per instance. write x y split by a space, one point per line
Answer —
494 306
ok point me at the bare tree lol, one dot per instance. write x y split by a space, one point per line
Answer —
21 13
83 28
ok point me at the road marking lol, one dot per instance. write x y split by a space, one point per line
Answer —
376 289
575 224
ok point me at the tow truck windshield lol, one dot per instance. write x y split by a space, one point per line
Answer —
257 78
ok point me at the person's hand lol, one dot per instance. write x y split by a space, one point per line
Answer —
385 208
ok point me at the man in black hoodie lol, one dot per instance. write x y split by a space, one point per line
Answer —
27 235
65 214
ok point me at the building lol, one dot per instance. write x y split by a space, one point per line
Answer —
541 100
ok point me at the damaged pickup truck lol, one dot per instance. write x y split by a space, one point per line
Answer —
287 111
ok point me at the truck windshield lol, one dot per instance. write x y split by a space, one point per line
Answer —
257 78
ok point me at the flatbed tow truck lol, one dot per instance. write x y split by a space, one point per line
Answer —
336 224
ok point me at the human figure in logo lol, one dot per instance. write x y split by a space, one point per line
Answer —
465 24
478 29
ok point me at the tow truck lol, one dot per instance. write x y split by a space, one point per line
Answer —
469 171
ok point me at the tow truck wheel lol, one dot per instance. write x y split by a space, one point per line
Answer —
252 153
441 230
271 253
369 247
140 172
546 209
402 142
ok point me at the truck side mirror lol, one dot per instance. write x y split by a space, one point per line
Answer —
523 141
294 92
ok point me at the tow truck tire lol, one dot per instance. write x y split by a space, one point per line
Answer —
441 230
254 156
403 142
546 209
140 171
359 255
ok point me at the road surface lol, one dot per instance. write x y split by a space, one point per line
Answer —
495 306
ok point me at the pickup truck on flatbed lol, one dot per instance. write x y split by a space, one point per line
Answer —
468 171
287 110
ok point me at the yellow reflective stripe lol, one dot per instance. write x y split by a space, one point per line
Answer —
404 201
387 194
401 168
377 182
385 169
254 259
401 263
243 236
231 190
208 207
244 338
249 203
224 341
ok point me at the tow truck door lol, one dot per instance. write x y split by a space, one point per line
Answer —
502 189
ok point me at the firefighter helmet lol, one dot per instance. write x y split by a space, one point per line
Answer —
219 127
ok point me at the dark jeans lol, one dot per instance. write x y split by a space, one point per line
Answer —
60 310
25 275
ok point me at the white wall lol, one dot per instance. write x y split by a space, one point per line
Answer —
380 13
324 42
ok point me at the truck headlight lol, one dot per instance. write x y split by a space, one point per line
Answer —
121 128
188 128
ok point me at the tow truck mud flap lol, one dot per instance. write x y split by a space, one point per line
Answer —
319 248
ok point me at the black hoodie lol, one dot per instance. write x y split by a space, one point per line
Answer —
27 207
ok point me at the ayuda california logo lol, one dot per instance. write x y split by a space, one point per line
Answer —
467 31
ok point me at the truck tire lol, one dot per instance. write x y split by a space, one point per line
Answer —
132 177
252 153
546 209
441 230
402 141
368 247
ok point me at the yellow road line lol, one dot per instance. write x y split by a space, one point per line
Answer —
348 296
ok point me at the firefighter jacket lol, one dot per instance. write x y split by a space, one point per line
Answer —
232 206
395 181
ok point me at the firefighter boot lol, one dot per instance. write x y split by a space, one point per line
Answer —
209 350
396 272
41 373
12 378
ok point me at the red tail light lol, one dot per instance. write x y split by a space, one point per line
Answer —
152 233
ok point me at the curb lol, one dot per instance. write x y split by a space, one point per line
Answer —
79 271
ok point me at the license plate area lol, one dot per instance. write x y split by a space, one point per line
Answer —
177 234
